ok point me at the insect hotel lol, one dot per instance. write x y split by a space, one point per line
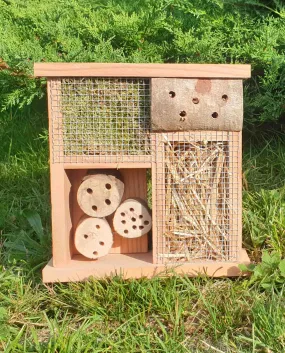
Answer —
145 166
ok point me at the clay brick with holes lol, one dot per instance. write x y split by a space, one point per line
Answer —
111 123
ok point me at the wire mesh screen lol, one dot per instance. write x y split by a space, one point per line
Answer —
100 119
197 193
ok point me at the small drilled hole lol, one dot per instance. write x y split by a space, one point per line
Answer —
90 191
131 209
95 253
108 186
215 115
123 214
146 223
124 222
225 97
140 216
182 113
195 100
107 202
85 236
101 243
172 94
97 226
126 231
94 208
133 219
141 227
134 227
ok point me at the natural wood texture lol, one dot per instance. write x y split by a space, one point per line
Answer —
199 93
185 105
135 187
60 186
132 219
93 237
101 160
99 195
127 165
142 70
137 266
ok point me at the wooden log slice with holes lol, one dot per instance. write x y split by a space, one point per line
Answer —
196 104
99 195
93 237
132 219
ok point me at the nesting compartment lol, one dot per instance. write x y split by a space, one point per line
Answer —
184 123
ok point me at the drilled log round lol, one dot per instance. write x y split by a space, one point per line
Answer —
99 195
93 237
132 219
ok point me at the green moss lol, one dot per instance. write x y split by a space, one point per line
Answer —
105 116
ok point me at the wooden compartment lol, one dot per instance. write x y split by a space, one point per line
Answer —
65 207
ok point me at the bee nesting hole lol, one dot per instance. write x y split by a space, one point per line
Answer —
132 219
99 195
93 237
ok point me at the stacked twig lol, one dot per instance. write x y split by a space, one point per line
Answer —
197 190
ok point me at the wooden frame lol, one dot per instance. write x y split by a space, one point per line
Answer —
65 175
142 70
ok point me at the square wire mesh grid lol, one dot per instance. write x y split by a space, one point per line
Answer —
100 119
197 197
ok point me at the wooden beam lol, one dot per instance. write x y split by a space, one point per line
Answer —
137 266
142 70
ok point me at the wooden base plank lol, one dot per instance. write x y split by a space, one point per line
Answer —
136 266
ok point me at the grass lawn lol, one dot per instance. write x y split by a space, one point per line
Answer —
176 314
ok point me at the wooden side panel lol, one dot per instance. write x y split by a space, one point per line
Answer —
142 70
61 219
60 190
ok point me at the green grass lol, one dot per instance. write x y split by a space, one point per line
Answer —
175 314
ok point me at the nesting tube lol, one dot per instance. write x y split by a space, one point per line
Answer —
132 219
93 237
100 193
